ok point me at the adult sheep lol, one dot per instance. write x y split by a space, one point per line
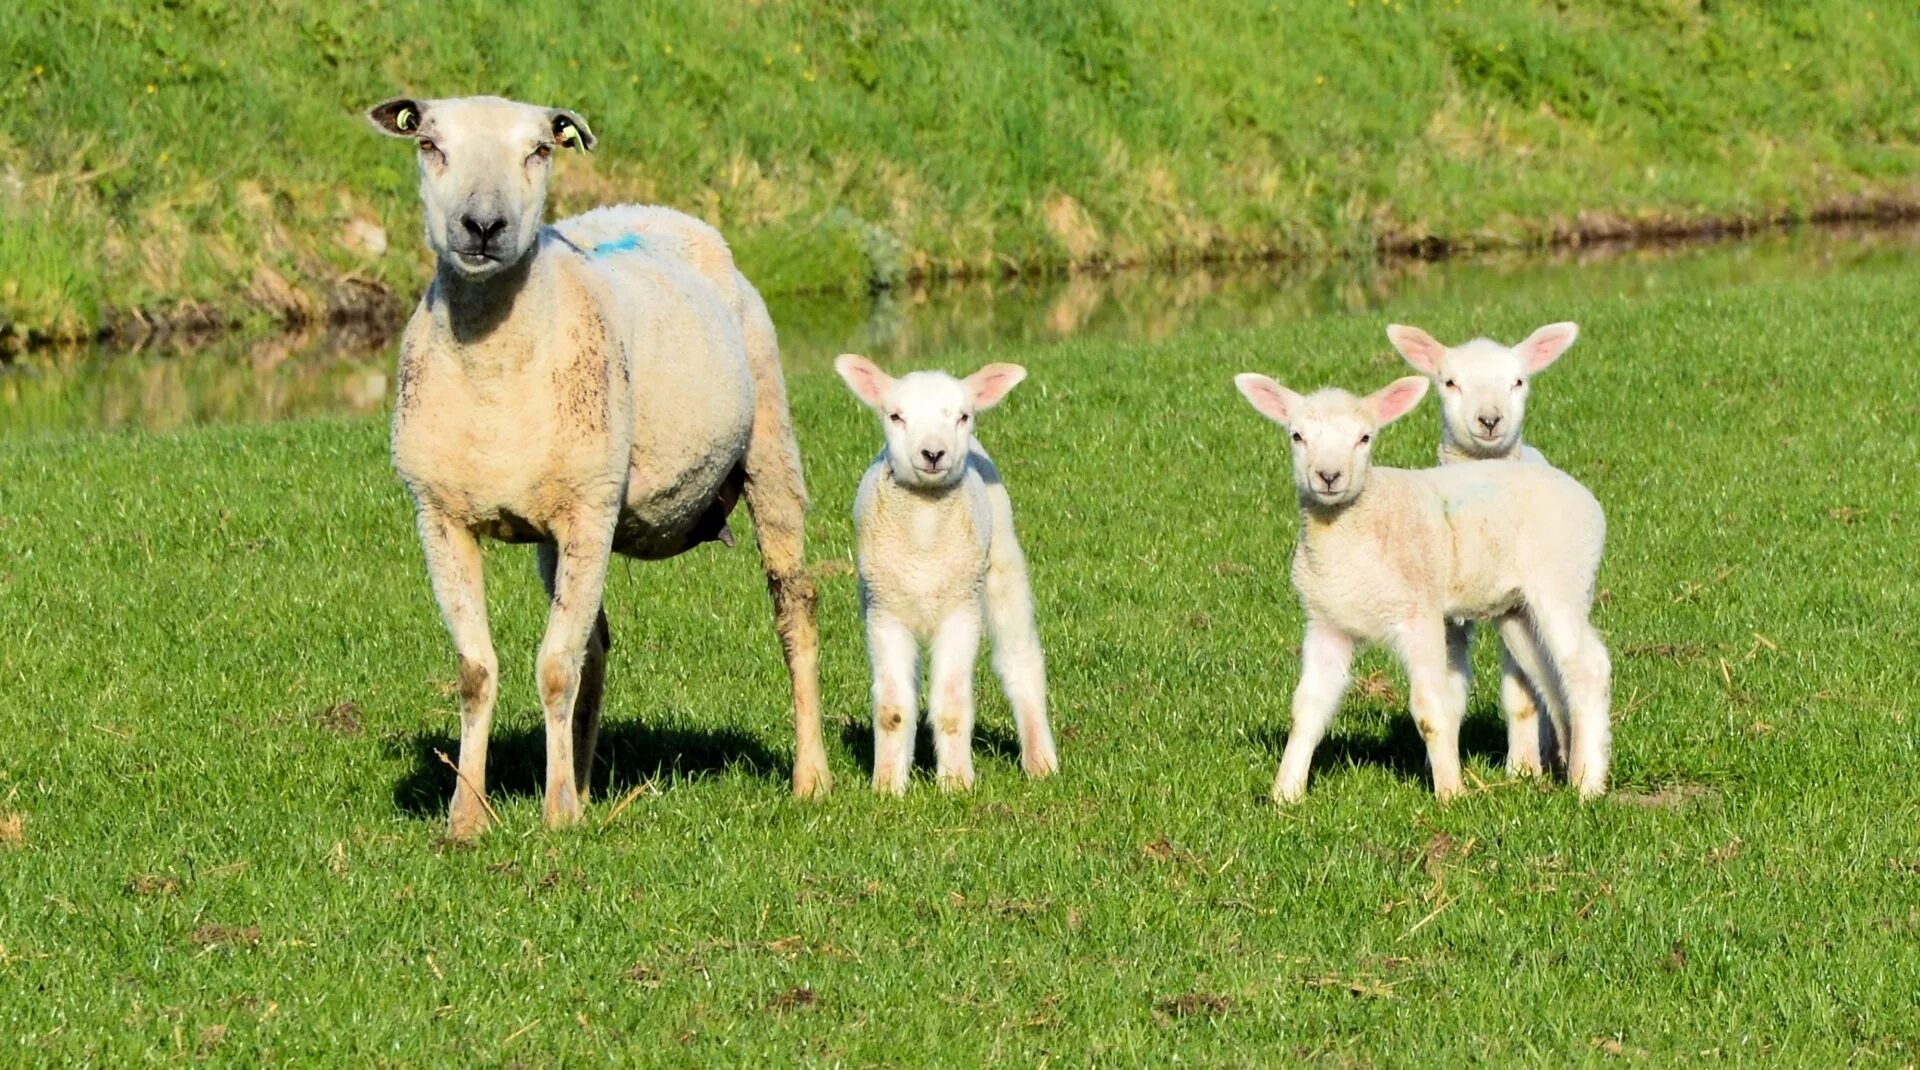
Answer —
609 384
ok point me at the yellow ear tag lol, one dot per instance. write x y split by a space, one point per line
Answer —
404 120
569 136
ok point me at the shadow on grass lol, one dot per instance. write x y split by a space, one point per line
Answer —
990 741
629 753
1400 750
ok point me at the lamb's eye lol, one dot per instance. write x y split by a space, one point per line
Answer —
963 419
1364 439
1298 437
1451 385
895 417
1518 383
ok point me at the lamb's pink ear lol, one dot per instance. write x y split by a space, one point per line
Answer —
1270 399
1545 345
1421 349
1396 399
991 383
864 378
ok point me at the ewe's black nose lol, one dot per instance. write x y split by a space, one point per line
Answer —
1488 422
933 456
483 230
1328 478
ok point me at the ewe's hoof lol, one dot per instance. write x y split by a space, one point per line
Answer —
467 823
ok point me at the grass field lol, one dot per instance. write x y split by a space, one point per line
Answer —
224 683
209 153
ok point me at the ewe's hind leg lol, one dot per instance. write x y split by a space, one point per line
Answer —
1437 701
454 566
1585 674
1017 657
777 498
1325 654
585 544
896 679
593 679
956 646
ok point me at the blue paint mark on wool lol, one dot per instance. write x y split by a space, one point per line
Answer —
626 243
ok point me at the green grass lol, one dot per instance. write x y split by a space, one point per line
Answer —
212 858
198 151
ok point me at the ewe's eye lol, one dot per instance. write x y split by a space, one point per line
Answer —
543 150
895 417
428 146
1298 437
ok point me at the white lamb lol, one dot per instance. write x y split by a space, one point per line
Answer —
1389 556
934 526
1483 400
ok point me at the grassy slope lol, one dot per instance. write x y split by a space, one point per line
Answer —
158 153
207 864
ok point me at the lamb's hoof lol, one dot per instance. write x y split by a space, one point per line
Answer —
1524 768
1040 765
466 823
956 782
811 780
889 786
1287 793
1448 793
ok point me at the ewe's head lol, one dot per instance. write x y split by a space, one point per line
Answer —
1332 431
1483 384
927 416
483 173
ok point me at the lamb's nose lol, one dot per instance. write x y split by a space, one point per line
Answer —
933 456
483 230
1328 478
1489 422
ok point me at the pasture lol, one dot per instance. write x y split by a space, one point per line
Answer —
225 686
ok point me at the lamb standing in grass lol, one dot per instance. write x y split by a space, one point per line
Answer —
609 384
935 532
1387 555
1483 397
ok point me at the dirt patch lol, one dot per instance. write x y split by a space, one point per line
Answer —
13 831
797 998
226 935
341 717
1670 797
1192 1005
152 884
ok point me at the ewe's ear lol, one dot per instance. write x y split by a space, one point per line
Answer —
399 117
570 131
864 378
1273 401
1396 399
1545 345
1421 349
991 383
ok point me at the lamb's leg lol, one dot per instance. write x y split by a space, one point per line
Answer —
1017 657
956 646
1437 703
454 566
896 677
1524 685
1325 655
777 498
1579 658
593 678
585 543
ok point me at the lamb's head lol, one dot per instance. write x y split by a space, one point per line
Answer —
484 163
1331 431
927 416
1483 384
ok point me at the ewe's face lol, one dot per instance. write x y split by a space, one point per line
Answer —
1483 384
484 164
1331 432
927 416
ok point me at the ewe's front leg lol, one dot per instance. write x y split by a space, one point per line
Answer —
593 678
584 545
1325 654
956 646
896 678
454 566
